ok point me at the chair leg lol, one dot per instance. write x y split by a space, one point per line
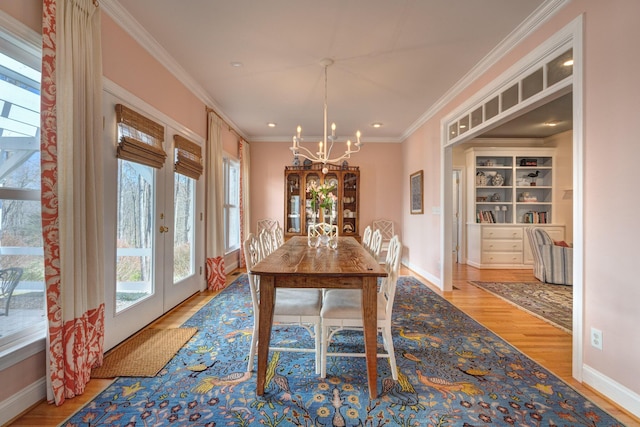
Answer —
318 340
388 344
323 351
253 347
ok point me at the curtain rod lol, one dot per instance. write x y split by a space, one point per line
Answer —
211 110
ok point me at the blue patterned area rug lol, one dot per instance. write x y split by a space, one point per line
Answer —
452 372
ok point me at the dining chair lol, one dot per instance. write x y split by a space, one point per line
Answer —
342 310
267 242
9 279
376 244
322 234
269 224
366 237
386 229
278 237
293 307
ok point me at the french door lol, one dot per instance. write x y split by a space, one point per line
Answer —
153 236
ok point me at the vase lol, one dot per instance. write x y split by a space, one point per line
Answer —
497 180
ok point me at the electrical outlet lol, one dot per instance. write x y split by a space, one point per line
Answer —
596 338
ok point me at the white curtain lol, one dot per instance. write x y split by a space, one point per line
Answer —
215 205
72 188
245 208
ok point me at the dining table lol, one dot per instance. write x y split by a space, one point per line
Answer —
295 264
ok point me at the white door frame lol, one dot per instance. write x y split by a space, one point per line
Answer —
573 35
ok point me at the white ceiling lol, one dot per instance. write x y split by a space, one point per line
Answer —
393 59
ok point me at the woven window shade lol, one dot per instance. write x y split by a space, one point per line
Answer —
140 138
188 157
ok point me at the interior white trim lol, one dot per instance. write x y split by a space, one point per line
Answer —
615 391
15 405
428 276
532 23
20 35
128 23
570 36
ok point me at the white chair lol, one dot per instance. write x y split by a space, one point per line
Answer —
268 224
316 233
376 244
297 307
342 310
386 229
278 237
267 242
366 237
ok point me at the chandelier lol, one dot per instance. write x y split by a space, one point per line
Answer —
323 155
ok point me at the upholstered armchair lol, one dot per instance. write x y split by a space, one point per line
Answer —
551 263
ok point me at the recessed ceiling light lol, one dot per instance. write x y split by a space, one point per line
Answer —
271 124
236 64
376 125
552 123
463 126
568 62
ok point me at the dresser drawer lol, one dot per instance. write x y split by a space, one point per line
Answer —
489 245
502 233
501 257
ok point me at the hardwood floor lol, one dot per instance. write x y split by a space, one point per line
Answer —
542 342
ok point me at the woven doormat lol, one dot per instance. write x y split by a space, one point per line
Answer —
144 354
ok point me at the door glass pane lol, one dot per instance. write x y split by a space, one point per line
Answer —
136 187
184 225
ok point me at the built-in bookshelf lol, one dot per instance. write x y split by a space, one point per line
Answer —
509 189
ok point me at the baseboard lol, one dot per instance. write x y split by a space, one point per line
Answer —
430 277
628 399
14 406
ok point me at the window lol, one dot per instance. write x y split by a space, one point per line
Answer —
184 200
20 216
231 204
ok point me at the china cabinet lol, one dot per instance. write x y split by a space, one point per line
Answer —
298 207
509 189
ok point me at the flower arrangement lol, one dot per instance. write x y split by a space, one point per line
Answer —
321 195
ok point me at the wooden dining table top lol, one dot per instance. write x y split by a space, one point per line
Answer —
296 258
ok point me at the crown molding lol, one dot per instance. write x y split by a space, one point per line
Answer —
541 15
128 23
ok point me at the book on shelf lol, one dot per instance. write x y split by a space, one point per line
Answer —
533 217
485 217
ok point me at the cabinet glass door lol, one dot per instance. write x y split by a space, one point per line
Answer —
349 204
310 213
294 203
330 215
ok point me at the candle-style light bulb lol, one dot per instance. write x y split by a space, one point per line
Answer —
358 138
333 129
348 145
299 131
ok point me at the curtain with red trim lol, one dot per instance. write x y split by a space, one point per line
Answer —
216 276
72 206
245 220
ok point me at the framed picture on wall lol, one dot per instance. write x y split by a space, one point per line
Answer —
416 186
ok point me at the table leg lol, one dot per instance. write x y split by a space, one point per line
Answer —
266 304
369 321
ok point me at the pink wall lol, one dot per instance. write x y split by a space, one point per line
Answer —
29 12
380 176
130 66
612 103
